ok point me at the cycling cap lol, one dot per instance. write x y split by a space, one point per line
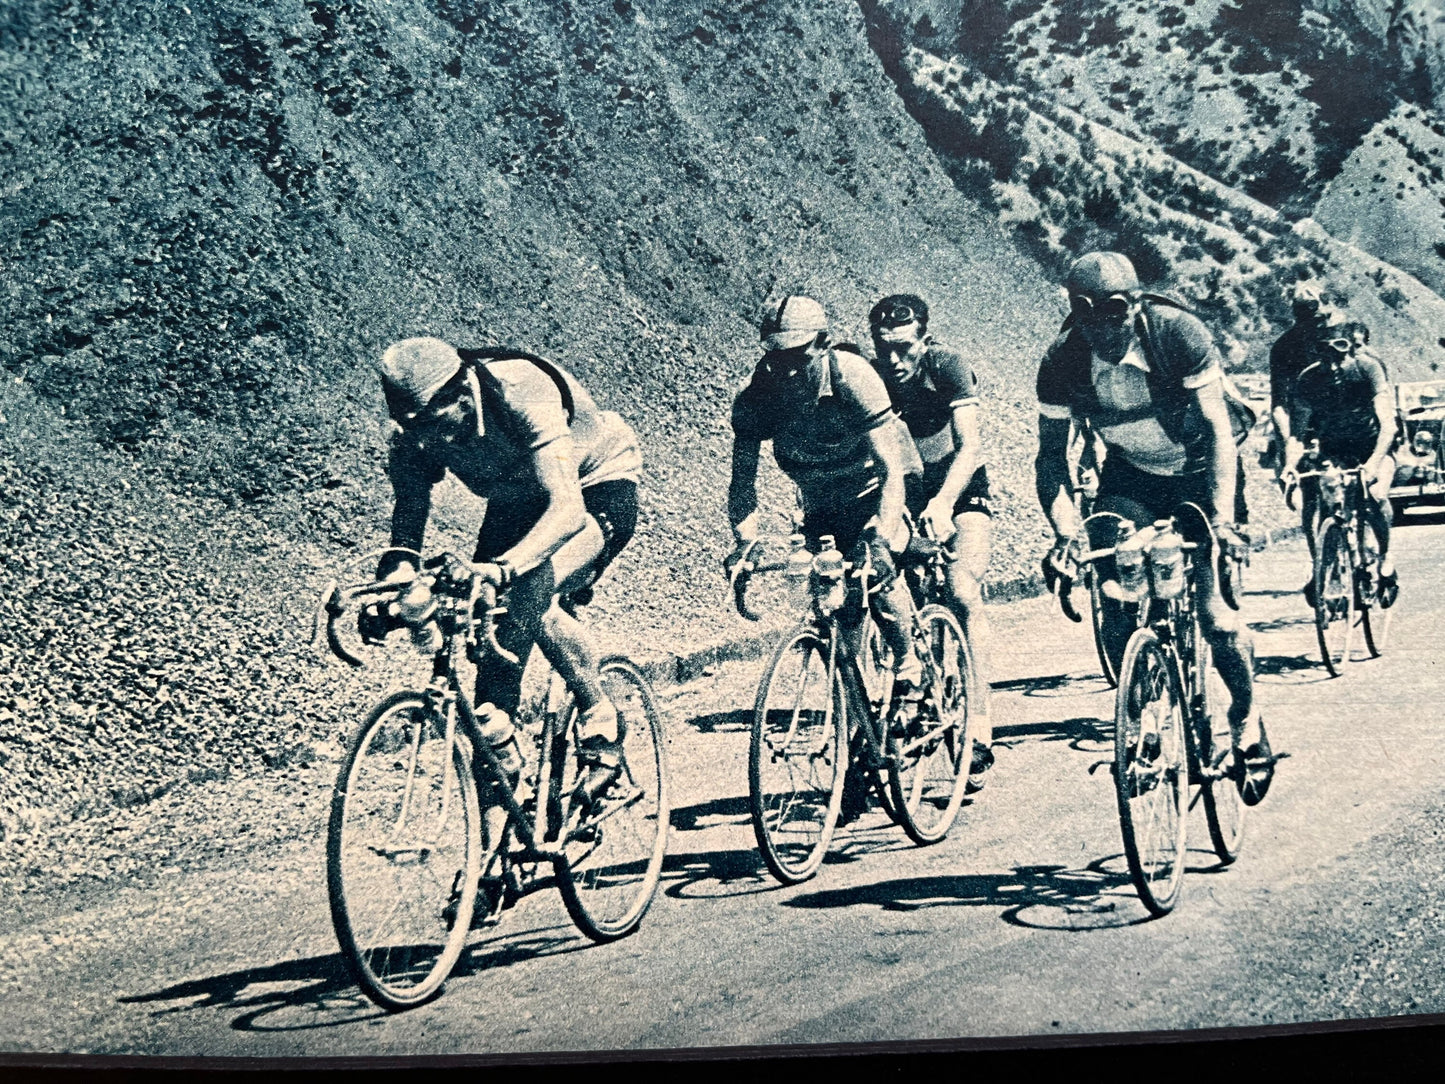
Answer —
896 310
1099 274
414 370
1306 292
793 322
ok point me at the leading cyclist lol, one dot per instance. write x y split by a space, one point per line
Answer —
1146 376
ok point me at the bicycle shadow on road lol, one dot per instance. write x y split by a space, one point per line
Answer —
1099 895
319 992
1084 733
1083 683
737 721
718 811
1290 670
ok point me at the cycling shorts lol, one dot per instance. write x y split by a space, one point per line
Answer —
612 504
977 496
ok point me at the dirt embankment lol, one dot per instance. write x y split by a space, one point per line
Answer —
217 213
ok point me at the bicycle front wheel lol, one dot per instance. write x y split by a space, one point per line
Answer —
1150 772
403 851
930 753
797 758
613 856
1334 585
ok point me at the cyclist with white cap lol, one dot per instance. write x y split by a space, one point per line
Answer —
560 479
835 434
1145 374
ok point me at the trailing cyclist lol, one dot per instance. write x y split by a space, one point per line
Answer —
1302 344
936 393
560 479
1345 402
834 433
1147 378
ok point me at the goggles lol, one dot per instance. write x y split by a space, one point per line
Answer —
896 314
1114 308
1340 346
405 412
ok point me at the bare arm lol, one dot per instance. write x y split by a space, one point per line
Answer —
1223 459
555 468
743 489
1385 414
884 443
1051 478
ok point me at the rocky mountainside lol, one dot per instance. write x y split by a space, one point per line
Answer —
215 215
1197 137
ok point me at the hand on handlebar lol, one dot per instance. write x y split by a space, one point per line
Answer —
375 621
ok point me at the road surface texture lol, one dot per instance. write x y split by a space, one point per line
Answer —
1021 922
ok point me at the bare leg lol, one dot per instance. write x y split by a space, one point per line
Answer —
965 576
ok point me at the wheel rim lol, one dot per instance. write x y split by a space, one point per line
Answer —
1334 597
1375 621
404 844
614 859
1223 804
797 758
932 750
1150 772
1096 617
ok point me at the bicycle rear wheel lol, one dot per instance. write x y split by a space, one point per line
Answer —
1223 805
929 754
403 840
1150 773
797 758
1375 621
1334 595
613 856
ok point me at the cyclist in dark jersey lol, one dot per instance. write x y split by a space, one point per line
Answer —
936 393
1302 344
1147 378
1345 402
835 434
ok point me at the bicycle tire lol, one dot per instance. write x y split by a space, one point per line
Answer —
398 940
1334 586
794 829
875 671
1224 808
612 860
1096 622
1153 829
1375 621
928 763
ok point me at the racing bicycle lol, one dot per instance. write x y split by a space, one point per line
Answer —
814 712
1172 741
409 858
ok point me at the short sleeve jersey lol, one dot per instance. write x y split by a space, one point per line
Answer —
1336 405
1142 407
522 412
925 402
819 424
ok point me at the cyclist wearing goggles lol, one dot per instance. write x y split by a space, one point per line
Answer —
1302 344
1345 402
560 479
1145 375
835 434
936 393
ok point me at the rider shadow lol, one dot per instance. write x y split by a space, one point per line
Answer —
1053 685
1290 670
1084 734
1282 624
1099 895
727 811
715 874
319 991
738 721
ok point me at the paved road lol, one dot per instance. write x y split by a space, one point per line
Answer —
1022 921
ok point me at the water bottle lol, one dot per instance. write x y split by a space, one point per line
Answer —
496 727
828 576
1132 582
1166 561
800 561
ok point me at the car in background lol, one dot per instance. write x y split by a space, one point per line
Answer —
1419 451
